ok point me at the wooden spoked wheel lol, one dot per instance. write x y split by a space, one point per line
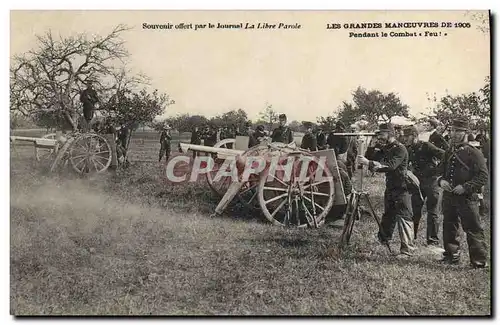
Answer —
219 185
46 154
248 194
90 153
302 197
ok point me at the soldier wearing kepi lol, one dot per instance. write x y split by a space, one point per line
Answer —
88 98
463 172
397 199
321 139
423 162
282 133
436 137
165 140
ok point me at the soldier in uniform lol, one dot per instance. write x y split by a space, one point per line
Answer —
352 153
337 143
436 137
210 136
195 138
309 139
424 158
463 173
397 199
257 137
282 133
88 97
165 141
321 139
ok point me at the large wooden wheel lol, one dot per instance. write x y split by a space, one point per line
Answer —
300 199
90 153
219 186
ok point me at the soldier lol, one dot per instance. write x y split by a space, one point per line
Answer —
352 153
321 139
257 137
424 158
463 173
397 199
195 138
282 133
88 97
399 133
337 143
210 136
165 140
309 140
436 137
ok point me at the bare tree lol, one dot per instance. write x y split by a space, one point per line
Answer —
50 77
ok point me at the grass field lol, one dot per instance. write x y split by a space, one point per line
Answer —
128 243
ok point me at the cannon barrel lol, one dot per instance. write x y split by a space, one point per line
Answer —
353 134
221 152
39 142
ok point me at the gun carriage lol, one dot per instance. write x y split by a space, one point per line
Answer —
299 196
84 152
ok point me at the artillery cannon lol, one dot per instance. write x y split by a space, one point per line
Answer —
300 192
85 152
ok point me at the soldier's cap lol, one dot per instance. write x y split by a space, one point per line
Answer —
460 123
282 117
410 130
308 124
470 137
386 127
260 127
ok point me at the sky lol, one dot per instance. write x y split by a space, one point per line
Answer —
304 72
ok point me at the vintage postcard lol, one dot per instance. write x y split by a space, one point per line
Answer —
250 163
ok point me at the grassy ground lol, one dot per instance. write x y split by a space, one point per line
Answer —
131 244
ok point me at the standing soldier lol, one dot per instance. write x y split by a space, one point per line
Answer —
436 137
309 140
195 138
88 97
321 139
257 137
423 162
282 133
463 173
336 142
397 199
352 153
165 140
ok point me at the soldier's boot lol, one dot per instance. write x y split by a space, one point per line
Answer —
451 258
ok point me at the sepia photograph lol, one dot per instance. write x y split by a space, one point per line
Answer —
250 163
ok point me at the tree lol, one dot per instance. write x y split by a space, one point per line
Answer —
186 122
374 105
50 77
237 118
475 106
269 115
327 123
296 126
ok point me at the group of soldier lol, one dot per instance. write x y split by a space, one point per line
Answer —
450 177
446 173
